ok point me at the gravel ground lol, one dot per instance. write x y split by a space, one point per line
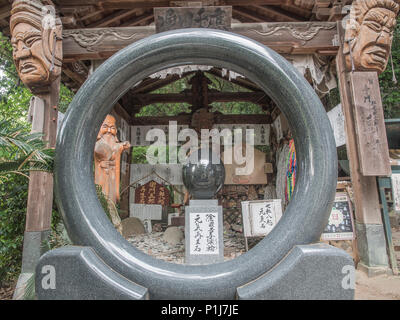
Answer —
154 245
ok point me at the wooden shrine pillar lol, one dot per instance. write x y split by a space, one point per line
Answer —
367 149
372 251
37 53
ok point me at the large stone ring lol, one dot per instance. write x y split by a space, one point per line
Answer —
305 217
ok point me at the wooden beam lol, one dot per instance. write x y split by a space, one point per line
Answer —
244 83
219 118
121 111
144 18
100 43
276 14
129 4
149 84
292 37
146 99
297 10
91 14
5 12
114 17
74 76
289 38
246 15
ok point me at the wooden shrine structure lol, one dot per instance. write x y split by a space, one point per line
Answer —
79 35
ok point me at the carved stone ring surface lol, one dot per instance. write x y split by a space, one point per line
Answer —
304 219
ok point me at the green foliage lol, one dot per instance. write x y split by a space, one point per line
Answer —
389 89
139 154
21 151
13 195
173 109
167 109
14 97
238 107
331 100
29 293
103 200
66 97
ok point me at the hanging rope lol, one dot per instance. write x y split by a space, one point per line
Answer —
353 68
291 163
53 54
394 73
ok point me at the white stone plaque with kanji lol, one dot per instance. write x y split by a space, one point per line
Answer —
204 237
260 217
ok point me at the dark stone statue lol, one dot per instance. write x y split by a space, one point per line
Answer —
203 178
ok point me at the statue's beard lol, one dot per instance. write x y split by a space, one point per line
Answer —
108 136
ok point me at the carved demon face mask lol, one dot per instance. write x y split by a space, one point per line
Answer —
28 55
37 47
375 39
371 41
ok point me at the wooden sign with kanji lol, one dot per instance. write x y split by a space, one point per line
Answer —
370 123
152 193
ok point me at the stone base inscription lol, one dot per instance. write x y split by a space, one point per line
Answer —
203 232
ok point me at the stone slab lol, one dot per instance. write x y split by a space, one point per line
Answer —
204 207
77 273
308 272
145 211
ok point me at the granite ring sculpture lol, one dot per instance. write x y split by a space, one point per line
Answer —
305 217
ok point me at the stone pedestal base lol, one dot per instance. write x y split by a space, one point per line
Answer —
308 272
371 245
316 271
374 271
77 273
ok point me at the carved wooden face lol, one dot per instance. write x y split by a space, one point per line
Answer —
373 44
28 55
108 127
